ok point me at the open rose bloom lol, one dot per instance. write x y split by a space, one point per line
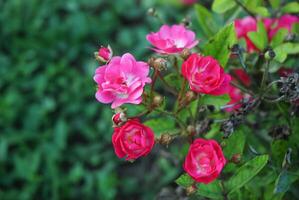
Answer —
205 75
132 140
121 81
172 39
204 161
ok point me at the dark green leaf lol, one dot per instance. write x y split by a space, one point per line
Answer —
212 190
284 181
184 180
234 144
216 101
160 125
246 172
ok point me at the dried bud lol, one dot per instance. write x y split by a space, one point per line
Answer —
104 54
186 22
280 132
190 96
152 12
290 87
159 64
157 100
119 119
164 139
228 128
270 54
191 130
185 53
190 190
236 158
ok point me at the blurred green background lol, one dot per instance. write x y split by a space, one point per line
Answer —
55 138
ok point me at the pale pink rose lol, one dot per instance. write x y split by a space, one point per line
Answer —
121 81
172 39
205 75
132 140
204 161
243 27
285 21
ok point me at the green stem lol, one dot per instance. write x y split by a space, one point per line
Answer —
265 76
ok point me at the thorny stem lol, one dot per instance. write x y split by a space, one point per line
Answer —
265 76
181 93
156 73
168 87
243 89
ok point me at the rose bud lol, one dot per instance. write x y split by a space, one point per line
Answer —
164 139
204 161
119 119
157 100
190 190
185 54
172 39
132 140
205 75
236 158
104 54
159 64
190 96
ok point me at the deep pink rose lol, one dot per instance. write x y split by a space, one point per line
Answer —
121 81
205 75
285 21
236 96
284 72
132 140
204 161
243 27
188 2
172 39
105 53
242 76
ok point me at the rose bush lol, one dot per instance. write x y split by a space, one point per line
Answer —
192 84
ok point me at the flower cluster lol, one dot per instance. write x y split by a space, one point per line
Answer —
122 80
249 24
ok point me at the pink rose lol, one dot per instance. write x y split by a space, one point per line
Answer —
121 81
172 39
236 96
204 160
285 21
243 27
188 2
105 53
132 140
205 75
242 76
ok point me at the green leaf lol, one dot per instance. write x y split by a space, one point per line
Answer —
282 51
212 190
219 46
221 6
234 144
160 125
216 101
246 172
274 3
256 7
292 7
279 37
206 20
184 180
173 80
284 181
260 37
278 149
